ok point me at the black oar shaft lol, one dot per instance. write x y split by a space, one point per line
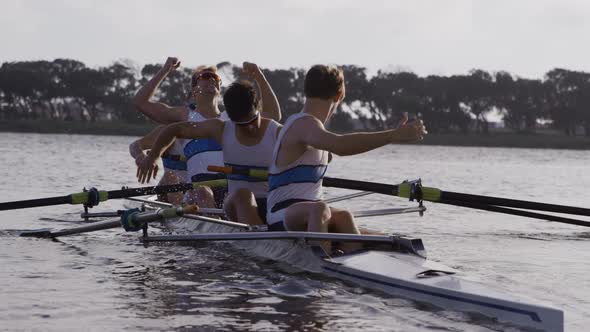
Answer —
385 189
489 203
521 213
515 203
132 192
449 196
83 197
35 202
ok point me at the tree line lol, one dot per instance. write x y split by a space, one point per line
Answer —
68 90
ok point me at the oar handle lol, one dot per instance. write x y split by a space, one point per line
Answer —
251 172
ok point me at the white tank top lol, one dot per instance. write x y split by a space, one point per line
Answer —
202 152
174 161
300 180
258 156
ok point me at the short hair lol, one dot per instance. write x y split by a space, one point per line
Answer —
200 69
240 99
203 68
323 81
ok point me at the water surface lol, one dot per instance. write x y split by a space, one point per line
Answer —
108 281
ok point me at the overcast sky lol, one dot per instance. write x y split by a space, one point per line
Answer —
526 37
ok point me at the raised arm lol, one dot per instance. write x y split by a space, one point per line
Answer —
159 112
314 134
270 104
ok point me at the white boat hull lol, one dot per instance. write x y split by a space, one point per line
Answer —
400 274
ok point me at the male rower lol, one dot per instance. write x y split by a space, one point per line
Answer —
206 87
300 158
172 159
248 140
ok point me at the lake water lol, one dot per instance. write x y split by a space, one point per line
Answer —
106 281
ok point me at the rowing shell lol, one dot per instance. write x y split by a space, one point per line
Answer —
381 266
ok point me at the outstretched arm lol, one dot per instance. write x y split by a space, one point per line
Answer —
159 112
270 104
211 129
137 148
314 134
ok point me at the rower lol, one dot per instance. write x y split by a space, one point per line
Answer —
300 158
205 92
172 159
247 140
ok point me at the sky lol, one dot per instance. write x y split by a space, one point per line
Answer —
441 37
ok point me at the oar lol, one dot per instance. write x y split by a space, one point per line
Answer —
452 198
131 220
94 196
521 213
413 191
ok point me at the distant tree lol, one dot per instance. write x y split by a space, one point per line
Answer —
67 89
523 101
478 96
569 99
288 87
122 85
443 111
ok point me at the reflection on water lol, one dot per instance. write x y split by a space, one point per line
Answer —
108 281
217 289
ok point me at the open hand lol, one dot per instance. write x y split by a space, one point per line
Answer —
147 168
139 159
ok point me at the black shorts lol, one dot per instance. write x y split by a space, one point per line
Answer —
261 204
280 226
219 194
277 227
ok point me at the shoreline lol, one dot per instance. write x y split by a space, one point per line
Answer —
75 127
510 140
503 139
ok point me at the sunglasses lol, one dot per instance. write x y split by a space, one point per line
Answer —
249 121
207 75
